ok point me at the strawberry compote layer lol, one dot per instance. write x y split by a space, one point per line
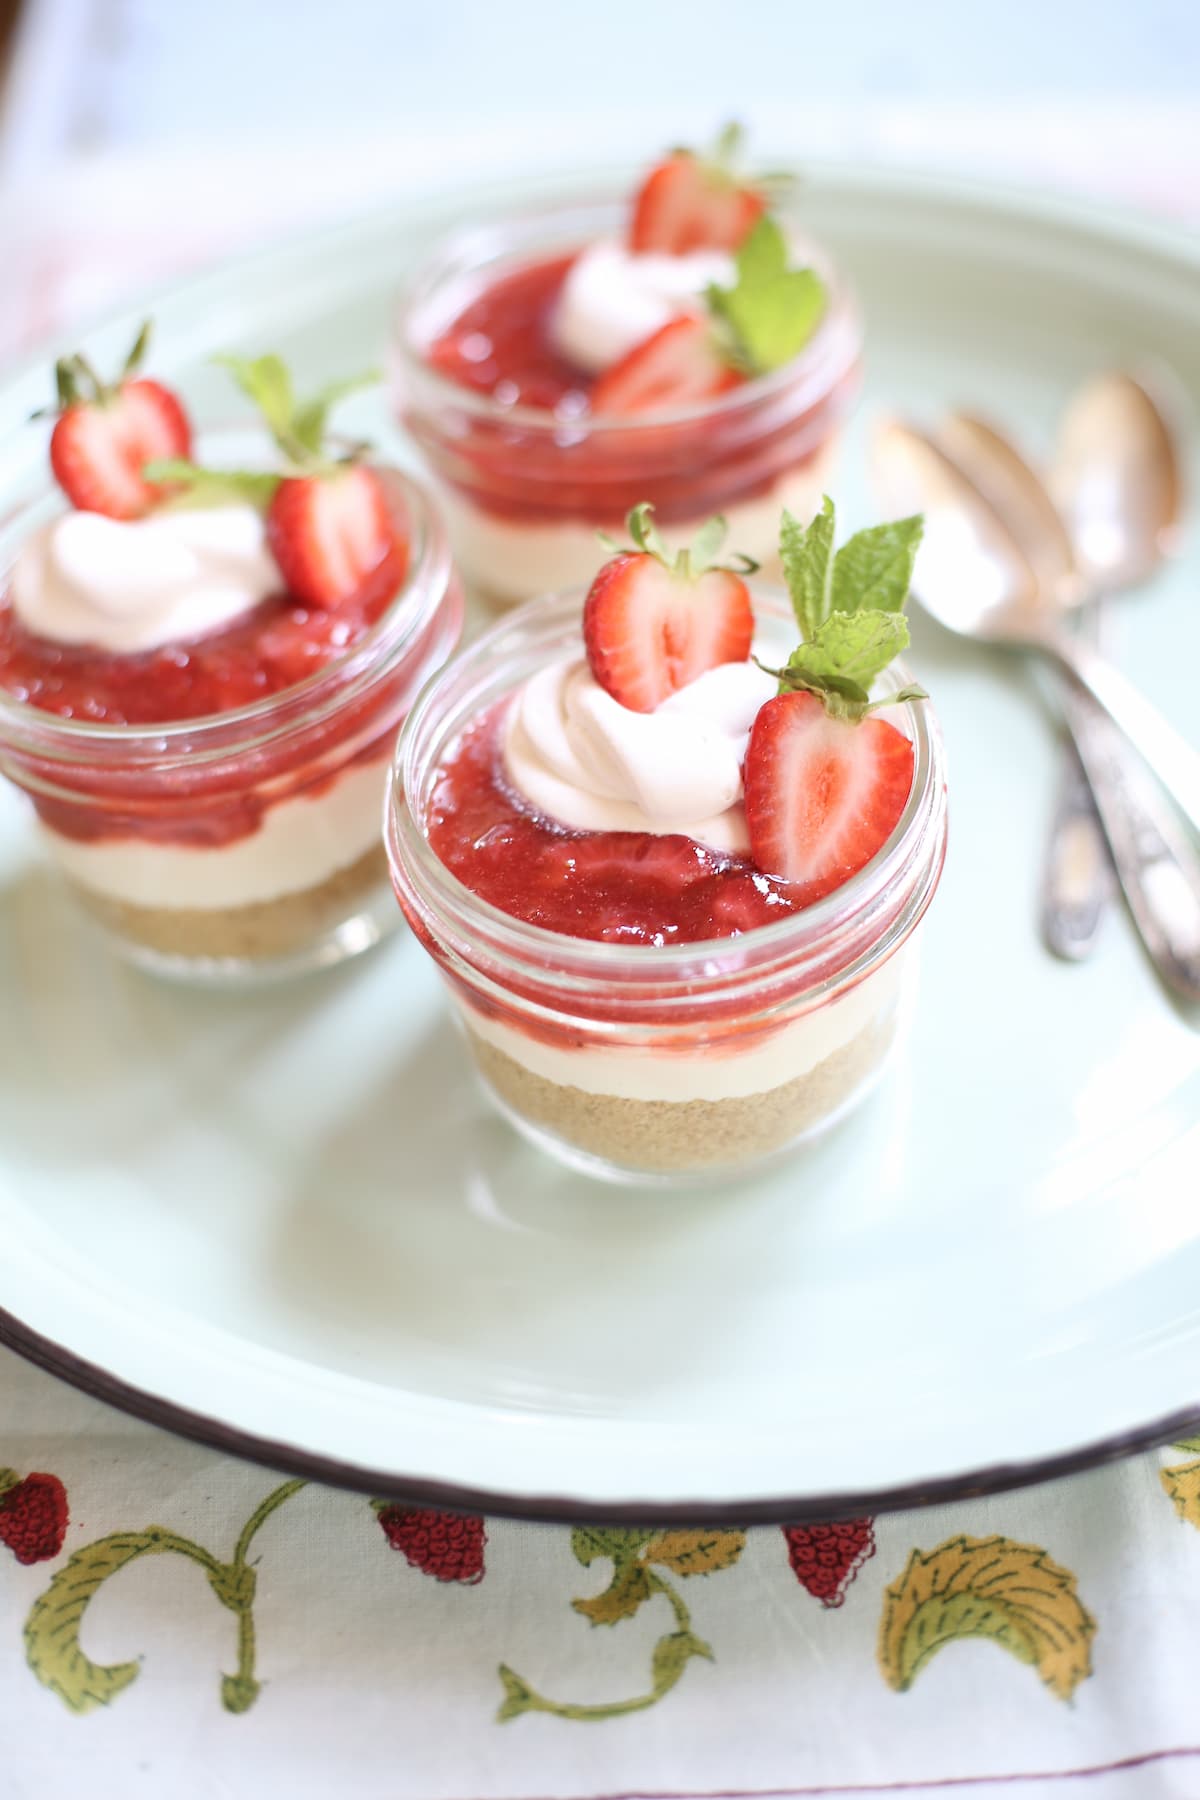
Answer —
522 469
182 797
627 887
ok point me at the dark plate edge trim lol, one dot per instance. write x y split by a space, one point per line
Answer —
216 1434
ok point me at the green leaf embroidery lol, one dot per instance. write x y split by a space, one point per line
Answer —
52 1647
519 1697
987 1587
626 1591
873 570
590 1541
1182 1484
671 1656
771 311
239 1692
696 1552
806 553
1189 1446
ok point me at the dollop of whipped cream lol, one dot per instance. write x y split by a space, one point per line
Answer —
614 298
132 584
580 757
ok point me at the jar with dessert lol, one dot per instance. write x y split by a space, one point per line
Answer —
203 669
686 345
670 862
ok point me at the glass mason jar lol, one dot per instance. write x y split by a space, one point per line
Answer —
525 489
664 1064
245 844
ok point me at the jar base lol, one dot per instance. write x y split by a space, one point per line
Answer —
253 945
684 1144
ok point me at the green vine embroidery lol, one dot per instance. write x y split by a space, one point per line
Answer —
638 1560
52 1646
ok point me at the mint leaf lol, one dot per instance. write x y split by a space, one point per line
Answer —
309 421
265 380
212 487
847 652
873 570
771 311
806 553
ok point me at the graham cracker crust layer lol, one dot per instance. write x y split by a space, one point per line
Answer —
672 1136
268 928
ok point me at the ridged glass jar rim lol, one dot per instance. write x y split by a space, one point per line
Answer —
451 277
429 580
835 941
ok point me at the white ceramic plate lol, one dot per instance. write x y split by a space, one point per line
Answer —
289 1223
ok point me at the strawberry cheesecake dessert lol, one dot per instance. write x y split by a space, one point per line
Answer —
202 670
669 861
685 345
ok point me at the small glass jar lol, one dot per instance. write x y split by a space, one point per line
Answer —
526 489
241 845
675 1063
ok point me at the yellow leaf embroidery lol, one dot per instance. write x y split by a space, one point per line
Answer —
987 1587
1182 1483
696 1552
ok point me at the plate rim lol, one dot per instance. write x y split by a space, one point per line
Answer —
231 1440
1112 226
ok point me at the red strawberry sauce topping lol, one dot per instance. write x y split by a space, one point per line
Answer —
269 649
626 887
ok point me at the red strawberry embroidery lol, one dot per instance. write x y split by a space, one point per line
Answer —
448 1546
826 1558
33 1515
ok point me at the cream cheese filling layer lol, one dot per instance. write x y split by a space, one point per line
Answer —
299 844
514 562
707 1072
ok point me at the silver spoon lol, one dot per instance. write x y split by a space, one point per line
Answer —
1117 482
977 581
1158 868
1077 879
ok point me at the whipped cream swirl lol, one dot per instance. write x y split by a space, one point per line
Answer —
614 299
578 756
131 585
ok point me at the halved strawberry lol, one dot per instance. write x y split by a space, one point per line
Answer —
689 203
653 622
823 794
329 531
677 366
106 433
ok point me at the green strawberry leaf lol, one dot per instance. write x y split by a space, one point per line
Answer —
873 570
806 553
771 311
212 487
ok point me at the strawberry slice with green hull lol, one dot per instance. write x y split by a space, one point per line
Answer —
691 203
823 794
328 532
654 620
106 433
679 365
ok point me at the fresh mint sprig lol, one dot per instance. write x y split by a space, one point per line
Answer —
849 605
771 311
298 428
